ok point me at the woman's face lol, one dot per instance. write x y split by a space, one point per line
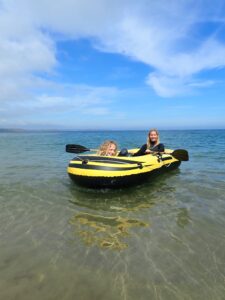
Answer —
153 136
111 151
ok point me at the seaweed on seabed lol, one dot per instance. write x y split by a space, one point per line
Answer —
105 232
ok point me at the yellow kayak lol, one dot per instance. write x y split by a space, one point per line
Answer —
118 171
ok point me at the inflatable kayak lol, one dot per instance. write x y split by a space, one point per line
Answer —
118 171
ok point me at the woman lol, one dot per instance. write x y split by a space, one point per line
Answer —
108 148
153 144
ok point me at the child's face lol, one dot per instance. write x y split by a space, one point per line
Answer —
111 151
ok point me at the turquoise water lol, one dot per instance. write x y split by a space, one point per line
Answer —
164 239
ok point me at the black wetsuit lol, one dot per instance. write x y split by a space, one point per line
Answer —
158 148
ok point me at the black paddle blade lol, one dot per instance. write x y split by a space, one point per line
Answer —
180 154
71 148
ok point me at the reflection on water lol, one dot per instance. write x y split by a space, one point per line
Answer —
105 232
183 217
129 199
108 217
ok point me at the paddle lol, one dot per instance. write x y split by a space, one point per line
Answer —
71 148
179 154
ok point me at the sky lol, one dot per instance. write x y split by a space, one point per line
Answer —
112 64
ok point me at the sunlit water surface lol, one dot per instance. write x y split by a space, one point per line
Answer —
164 239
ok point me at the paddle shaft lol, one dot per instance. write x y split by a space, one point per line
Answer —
179 154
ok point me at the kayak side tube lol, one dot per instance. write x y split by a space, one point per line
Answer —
113 172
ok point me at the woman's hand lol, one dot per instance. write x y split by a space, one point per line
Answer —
148 151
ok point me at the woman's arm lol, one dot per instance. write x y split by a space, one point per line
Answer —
141 151
158 148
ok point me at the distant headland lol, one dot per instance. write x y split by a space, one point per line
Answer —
11 130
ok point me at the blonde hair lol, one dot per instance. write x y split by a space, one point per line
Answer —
148 138
104 148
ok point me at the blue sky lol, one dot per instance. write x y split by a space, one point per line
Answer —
112 64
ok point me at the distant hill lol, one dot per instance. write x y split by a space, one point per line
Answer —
11 130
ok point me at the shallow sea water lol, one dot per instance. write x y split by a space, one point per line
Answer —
164 239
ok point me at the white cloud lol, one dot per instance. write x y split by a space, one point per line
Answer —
161 37
164 37
71 103
79 98
167 86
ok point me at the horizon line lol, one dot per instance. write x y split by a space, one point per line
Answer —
2 130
